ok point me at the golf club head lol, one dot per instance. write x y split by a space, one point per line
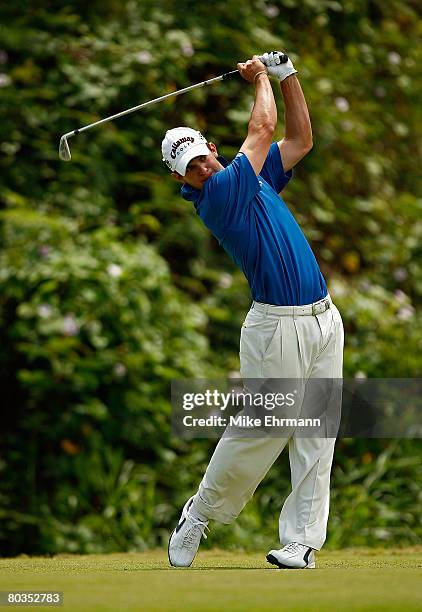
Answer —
64 149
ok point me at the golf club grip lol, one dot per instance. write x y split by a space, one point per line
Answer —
227 75
283 56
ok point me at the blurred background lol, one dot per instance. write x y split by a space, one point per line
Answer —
111 287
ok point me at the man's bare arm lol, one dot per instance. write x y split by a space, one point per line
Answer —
297 141
263 119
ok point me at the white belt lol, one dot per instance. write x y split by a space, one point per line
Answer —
305 310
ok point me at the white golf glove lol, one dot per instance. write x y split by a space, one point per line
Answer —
277 65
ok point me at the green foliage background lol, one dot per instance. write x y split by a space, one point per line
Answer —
111 287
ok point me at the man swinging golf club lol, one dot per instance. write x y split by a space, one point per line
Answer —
293 330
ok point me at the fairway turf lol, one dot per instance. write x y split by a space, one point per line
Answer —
353 579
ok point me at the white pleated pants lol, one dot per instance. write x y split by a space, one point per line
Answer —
279 346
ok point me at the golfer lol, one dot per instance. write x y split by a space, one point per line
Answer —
293 330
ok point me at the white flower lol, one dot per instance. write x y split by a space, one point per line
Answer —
119 370
361 375
72 500
271 11
44 310
342 104
338 289
394 58
324 85
234 374
114 270
143 57
4 79
225 281
401 129
70 326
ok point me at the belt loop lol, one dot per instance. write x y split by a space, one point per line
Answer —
313 310
266 309
294 313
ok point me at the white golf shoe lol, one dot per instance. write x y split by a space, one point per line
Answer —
293 556
185 539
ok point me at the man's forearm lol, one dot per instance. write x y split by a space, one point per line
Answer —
296 114
264 112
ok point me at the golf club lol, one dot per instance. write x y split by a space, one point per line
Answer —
64 149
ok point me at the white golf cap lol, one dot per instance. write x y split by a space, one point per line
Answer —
180 145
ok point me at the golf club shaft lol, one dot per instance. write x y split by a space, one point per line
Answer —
222 77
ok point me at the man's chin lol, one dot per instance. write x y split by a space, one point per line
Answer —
208 178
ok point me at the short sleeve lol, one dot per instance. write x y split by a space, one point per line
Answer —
227 195
273 171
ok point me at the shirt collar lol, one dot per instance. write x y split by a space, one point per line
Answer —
193 195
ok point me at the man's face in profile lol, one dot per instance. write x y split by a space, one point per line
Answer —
200 169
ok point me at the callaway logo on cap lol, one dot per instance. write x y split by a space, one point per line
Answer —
180 145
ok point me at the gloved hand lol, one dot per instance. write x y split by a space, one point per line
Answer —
278 64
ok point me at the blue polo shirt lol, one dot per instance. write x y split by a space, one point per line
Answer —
254 225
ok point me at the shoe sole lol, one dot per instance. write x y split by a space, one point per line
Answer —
168 548
271 559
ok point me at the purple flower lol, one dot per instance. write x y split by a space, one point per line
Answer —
400 274
405 313
187 50
400 296
44 310
44 250
70 326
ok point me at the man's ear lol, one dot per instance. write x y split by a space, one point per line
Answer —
178 177
212 148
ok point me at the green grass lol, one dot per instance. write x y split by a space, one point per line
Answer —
354 579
